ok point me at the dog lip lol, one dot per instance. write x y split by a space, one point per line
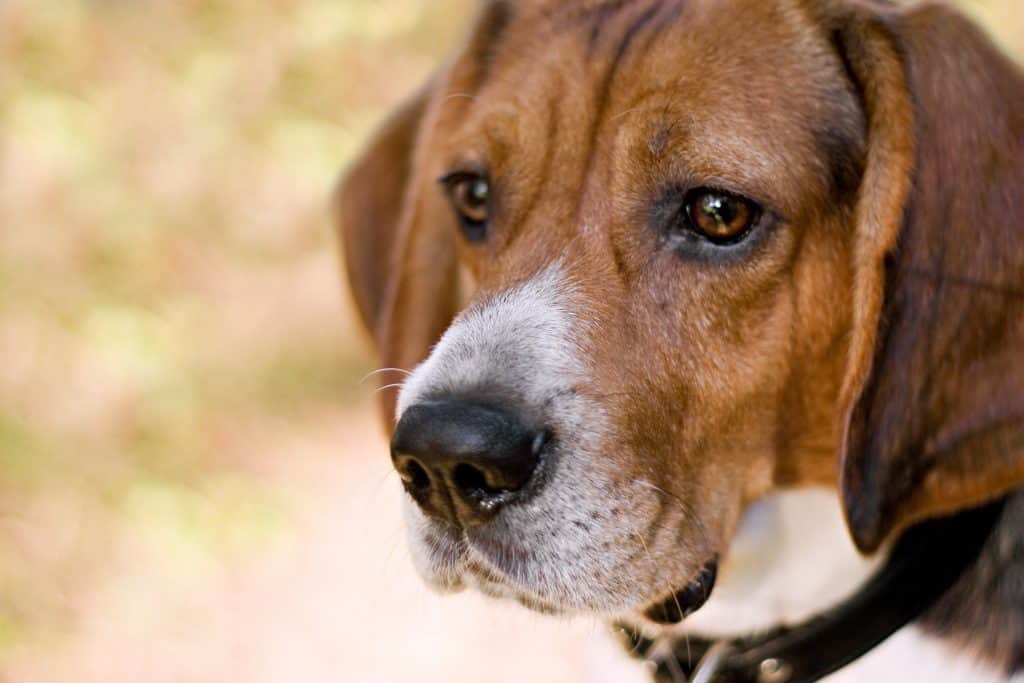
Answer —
538 606
492 586
505 557
686 600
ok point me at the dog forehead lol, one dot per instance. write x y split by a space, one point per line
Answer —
717 28
759 58
752 76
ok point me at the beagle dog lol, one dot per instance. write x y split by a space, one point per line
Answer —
635 265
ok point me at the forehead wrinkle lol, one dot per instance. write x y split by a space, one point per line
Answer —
605 91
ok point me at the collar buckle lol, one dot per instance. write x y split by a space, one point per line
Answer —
774 670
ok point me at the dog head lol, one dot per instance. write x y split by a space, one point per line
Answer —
651 259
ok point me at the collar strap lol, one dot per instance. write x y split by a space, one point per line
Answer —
924 563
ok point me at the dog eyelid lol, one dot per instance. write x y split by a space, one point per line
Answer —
450 179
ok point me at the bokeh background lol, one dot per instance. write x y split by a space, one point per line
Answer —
193 485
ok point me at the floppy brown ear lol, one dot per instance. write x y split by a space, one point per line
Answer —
933 399
397 231
368 205
397 243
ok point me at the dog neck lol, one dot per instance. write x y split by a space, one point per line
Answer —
780 569
950 603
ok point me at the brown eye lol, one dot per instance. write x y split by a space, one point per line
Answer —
719 216
470 195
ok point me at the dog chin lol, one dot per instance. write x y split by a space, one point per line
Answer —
449 561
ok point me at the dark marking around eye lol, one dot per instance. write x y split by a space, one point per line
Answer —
709 225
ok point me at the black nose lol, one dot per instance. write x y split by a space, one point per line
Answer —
461 461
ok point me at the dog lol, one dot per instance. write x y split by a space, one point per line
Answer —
637 265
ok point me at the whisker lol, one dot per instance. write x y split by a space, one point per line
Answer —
681 505
390 472
675 598
396 540
379 371
625 113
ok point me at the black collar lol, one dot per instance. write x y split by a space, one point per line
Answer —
924 563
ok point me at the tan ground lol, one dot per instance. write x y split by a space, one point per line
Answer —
332 598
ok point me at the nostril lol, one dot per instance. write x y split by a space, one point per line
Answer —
471 482
418 476
414 476
462 460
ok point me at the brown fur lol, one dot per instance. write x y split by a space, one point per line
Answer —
872 340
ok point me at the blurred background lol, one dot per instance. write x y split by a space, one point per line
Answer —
193 484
